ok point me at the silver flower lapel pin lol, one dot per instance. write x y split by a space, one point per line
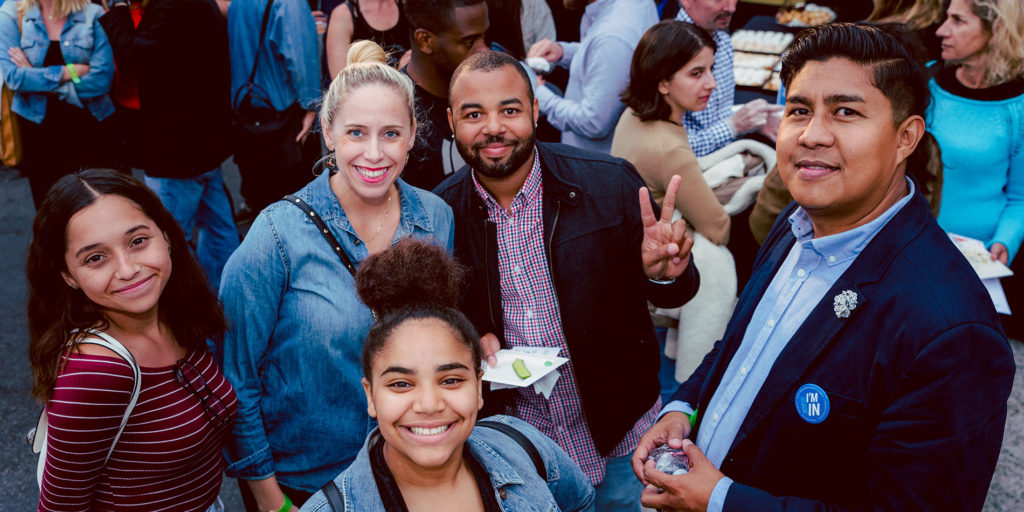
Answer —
844 303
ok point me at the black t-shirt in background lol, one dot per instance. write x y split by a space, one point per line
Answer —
434 157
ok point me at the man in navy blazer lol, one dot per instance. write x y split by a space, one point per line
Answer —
864 366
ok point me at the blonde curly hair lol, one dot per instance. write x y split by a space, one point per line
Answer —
915 15
1004 20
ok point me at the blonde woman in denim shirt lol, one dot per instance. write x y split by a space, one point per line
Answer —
296 324
60 66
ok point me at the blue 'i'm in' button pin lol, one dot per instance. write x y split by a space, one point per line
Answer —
812 403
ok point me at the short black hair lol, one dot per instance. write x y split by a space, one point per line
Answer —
895 72
664 49
434 16
489 61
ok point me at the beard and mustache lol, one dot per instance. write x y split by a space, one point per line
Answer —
522 150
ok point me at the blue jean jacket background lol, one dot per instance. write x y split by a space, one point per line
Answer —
296 329
82 41
289 67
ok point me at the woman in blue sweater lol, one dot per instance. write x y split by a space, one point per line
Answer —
977 115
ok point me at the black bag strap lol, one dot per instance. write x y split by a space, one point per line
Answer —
333 495
263 35
522 440
320 226
337 502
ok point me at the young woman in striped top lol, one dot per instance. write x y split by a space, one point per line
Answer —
102 256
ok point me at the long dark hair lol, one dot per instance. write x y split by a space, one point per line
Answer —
664 49
410 281
187 304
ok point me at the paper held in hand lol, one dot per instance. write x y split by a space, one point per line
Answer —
979 257
988 270
538 366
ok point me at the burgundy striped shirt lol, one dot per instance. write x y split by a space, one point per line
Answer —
169 455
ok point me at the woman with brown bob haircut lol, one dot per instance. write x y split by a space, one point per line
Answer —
670 75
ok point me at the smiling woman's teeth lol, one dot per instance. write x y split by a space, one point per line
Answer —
372 173
428 431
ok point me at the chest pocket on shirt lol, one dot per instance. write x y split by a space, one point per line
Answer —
79 50
525 500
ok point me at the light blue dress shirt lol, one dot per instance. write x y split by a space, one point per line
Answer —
811 268
598 72
709 129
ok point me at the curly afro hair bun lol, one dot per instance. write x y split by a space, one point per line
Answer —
413 280
410 274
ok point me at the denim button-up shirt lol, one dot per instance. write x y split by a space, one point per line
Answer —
517 485
82 41
289 67
296 328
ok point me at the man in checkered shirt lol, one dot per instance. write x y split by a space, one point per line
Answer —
717 125
561 255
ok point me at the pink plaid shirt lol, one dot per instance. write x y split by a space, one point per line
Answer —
532 318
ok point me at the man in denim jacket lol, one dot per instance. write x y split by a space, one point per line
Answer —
289 72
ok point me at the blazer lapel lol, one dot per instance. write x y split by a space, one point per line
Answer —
819 330
825 322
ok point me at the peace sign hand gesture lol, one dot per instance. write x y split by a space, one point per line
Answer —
665 250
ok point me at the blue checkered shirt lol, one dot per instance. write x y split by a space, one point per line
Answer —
709 129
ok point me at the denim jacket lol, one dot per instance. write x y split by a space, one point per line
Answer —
517 486
296 327
82 41
289 67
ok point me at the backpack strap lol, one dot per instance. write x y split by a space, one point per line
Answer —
337 502
322 228
334 497
107 341
522 440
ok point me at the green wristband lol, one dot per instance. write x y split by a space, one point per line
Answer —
287 504
693 418
74 74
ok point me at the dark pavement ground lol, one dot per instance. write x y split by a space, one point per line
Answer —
18 412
